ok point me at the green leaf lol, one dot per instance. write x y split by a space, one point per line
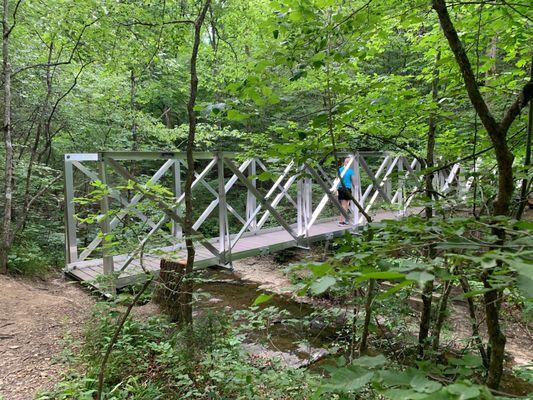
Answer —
394 289
262 298
458 243
463 391
321 285
403 394
397 378
524 224
422 384
236 115
382 275
524 280
348 380
320 269
420 276
370 362
265 176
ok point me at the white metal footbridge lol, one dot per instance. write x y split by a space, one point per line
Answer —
243 207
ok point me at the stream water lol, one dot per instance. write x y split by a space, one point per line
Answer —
297 337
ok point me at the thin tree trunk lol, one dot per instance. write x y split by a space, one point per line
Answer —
363 346
7 240
167 116
430 149
441 314
425 316
187 228
473 321
353 337
497 339
133 95
427 293
42 125
527 160
118 329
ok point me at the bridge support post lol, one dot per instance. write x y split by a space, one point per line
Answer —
401 188
461 183
71 244
108 264
356 189
304 205
388 182
299 208
222 212
251 201
176 190
308 205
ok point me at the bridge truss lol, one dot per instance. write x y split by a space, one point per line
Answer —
243 207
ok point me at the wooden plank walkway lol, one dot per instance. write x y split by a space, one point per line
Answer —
266 241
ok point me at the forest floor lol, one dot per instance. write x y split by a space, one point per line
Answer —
40 317
36 318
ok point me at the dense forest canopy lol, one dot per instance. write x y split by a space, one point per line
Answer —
440 81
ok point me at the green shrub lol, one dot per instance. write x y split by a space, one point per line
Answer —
153 359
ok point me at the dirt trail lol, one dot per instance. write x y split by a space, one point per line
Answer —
35 316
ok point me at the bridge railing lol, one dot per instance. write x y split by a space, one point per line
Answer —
247 196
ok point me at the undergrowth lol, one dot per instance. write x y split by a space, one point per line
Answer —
153 359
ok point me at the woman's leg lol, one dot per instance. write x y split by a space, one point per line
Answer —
344 204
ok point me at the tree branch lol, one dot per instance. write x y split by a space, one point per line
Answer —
66 93
55 64
523 98
153 25
41 191
469 78
14 18
352 14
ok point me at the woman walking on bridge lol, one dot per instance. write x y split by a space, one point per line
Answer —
344 188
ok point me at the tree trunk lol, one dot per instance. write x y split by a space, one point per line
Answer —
187 228
427 293
432 129
7 239
441 314
363 346
473 321
497 133
43 126
133 95
169 293
527 160
497 339
425 316
353 329
167 117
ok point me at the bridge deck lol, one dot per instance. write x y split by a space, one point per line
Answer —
261 243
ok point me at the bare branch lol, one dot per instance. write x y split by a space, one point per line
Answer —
523 98
349 16
71 56
153 24
67 92
14 18
41 191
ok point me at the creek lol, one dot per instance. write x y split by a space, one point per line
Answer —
298 334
